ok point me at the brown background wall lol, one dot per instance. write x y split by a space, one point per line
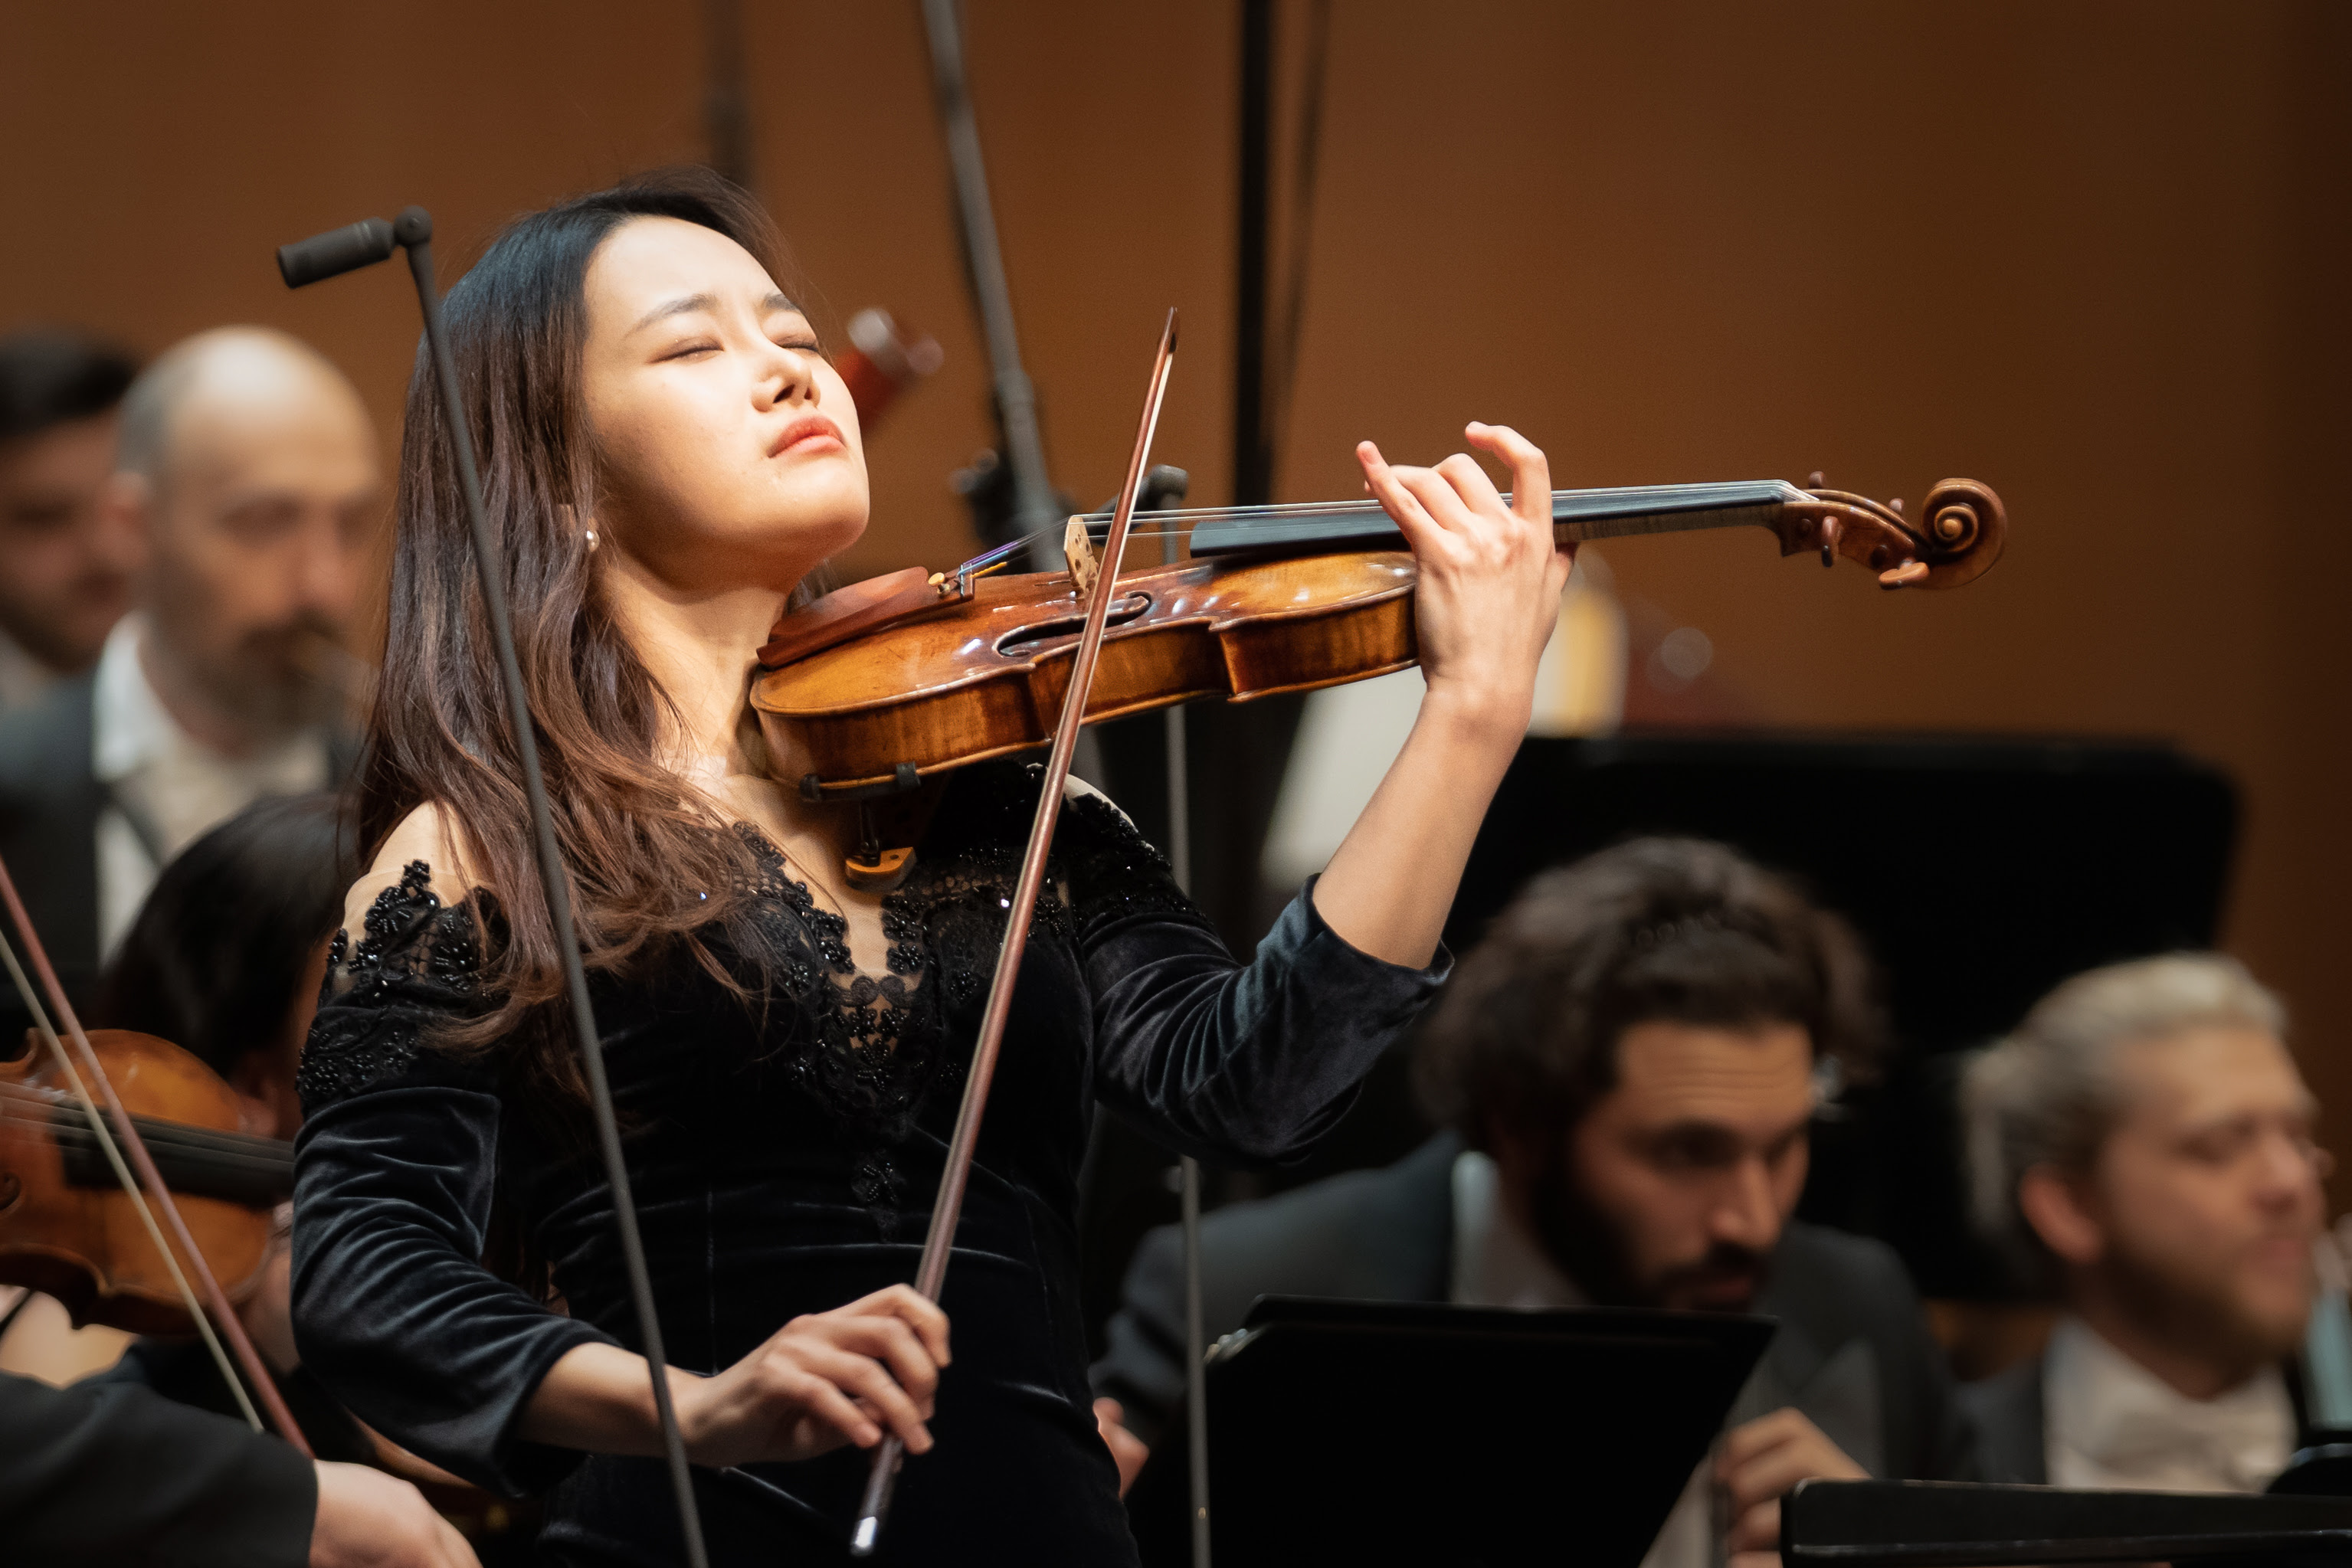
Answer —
2089 253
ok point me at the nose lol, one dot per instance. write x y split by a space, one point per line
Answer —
1745 1214
325 570
789 377
2289 1168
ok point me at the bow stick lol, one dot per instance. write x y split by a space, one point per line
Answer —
125 1137
882 1480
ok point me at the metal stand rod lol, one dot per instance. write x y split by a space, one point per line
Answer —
1196 1371
414 231
1034 505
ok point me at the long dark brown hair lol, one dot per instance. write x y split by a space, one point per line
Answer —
652 869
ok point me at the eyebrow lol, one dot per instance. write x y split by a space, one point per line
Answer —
688 304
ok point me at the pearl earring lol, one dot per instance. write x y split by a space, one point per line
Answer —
590 535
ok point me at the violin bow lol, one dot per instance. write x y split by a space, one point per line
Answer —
157 1195
882 1480
346 249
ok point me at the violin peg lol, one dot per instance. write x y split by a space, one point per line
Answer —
1896 506
1908 573
1817 480
1833 530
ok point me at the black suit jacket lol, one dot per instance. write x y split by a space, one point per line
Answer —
114 1474
1854 1353
49 804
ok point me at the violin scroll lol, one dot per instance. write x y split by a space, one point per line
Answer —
1962 535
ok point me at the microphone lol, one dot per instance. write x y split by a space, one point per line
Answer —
350 248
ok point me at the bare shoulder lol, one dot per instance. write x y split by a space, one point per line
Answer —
428 835
1077 789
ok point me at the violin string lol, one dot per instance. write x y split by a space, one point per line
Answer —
151 1128
169 1129
129 1184
1184 519
69 1134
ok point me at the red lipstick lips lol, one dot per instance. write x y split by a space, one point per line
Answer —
808 427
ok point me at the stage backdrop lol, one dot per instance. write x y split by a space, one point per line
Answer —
2091 254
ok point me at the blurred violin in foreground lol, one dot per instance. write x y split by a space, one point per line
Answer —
68 1229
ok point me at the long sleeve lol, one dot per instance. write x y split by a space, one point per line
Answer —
394 1174
115 1474
1253 1060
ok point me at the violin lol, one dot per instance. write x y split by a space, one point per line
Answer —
69 1230
888 682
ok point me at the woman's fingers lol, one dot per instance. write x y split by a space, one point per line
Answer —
892 1342
866 1379
1530 470
1388 488
1472 490
914 1309
823 1405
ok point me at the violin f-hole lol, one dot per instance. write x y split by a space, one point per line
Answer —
1128 607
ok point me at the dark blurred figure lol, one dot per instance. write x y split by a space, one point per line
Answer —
2142 1146
250 468
114 1475
65 566
226 959
1628 1066
228 953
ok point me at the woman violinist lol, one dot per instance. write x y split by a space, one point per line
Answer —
668 455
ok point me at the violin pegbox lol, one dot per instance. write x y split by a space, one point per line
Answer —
1961 537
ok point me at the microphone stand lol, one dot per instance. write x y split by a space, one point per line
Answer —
343 250
1036 508
1196 1372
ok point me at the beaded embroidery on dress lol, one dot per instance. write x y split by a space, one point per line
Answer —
868 1047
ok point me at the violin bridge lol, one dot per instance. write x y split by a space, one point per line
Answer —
1079 551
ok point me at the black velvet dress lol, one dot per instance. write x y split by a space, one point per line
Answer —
784 1157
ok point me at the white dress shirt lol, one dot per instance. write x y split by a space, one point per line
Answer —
168 787
2108 1422
1497 1264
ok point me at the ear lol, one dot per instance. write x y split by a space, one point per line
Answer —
2056 1205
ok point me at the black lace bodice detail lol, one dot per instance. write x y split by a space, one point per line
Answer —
871 1048
419 962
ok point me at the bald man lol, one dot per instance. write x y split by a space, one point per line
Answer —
249 471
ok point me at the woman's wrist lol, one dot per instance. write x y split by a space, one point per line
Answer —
597 1397
1486 718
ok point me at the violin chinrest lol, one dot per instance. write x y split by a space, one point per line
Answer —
847 611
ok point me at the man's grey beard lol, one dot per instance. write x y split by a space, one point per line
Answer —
287 679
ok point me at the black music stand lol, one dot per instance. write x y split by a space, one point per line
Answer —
1382 1432
1949 1524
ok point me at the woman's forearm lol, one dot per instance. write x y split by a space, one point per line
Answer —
1389 888
596 1397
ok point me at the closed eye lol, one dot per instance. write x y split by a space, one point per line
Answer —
686 350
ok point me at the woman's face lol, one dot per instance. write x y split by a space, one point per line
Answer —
730 446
